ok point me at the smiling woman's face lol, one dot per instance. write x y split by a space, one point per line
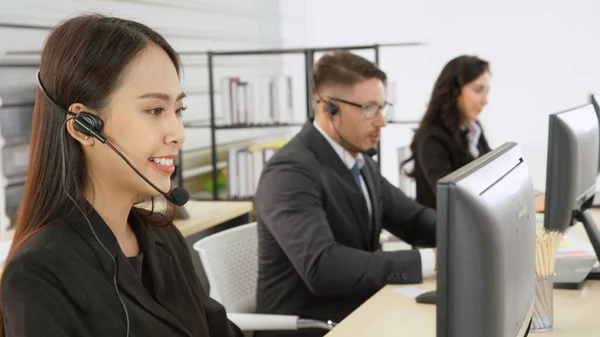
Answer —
143 121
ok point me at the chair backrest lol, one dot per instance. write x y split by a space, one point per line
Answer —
230 260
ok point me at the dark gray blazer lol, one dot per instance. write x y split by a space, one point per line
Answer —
437 155
318 258
60 283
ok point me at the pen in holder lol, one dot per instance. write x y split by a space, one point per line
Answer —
545 257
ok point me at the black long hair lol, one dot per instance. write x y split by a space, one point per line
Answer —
443 111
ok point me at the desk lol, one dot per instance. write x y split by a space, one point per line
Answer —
205 215
391 313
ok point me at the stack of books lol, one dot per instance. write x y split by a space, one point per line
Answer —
244 166
257 100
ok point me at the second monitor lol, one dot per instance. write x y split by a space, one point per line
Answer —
572 170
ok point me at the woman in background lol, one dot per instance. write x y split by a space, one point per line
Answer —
450 134
85 260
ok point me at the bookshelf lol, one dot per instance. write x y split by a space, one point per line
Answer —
261 103
16 110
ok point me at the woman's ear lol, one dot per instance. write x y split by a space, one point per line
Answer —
85 140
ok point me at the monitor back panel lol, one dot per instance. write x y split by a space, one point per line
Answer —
572 168
487 285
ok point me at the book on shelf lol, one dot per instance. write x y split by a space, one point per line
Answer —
257 100
244 166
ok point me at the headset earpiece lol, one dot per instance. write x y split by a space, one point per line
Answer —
89 125
331 109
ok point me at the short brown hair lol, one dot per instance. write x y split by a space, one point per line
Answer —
344 68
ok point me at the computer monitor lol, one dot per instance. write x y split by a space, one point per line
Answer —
486 241
595 100
572 170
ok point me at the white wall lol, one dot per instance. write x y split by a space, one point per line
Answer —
543 57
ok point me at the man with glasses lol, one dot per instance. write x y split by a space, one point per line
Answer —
321 204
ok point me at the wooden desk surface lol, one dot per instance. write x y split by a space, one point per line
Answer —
393 311
207 214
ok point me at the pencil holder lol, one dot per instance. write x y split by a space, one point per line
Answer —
543 315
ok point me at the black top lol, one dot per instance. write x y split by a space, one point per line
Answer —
60 283
437 155
318 256
137 263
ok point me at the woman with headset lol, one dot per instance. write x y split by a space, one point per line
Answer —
87 258
450 134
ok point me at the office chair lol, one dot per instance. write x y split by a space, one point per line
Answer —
230 260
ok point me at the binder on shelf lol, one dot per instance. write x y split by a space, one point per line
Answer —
244 166
232 171
229 87
257 100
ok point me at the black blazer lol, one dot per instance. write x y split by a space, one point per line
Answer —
60 283
437 155
318 256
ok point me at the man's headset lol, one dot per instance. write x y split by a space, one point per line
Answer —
92 125
332 110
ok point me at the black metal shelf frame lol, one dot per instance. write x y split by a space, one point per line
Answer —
309 54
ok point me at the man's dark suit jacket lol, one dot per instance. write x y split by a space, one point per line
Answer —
437 155
60 283
318 258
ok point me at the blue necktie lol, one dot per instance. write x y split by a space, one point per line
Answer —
356 174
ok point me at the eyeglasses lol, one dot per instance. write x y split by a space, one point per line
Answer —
370 111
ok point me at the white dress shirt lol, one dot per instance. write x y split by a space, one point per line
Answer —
427 255
473 135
